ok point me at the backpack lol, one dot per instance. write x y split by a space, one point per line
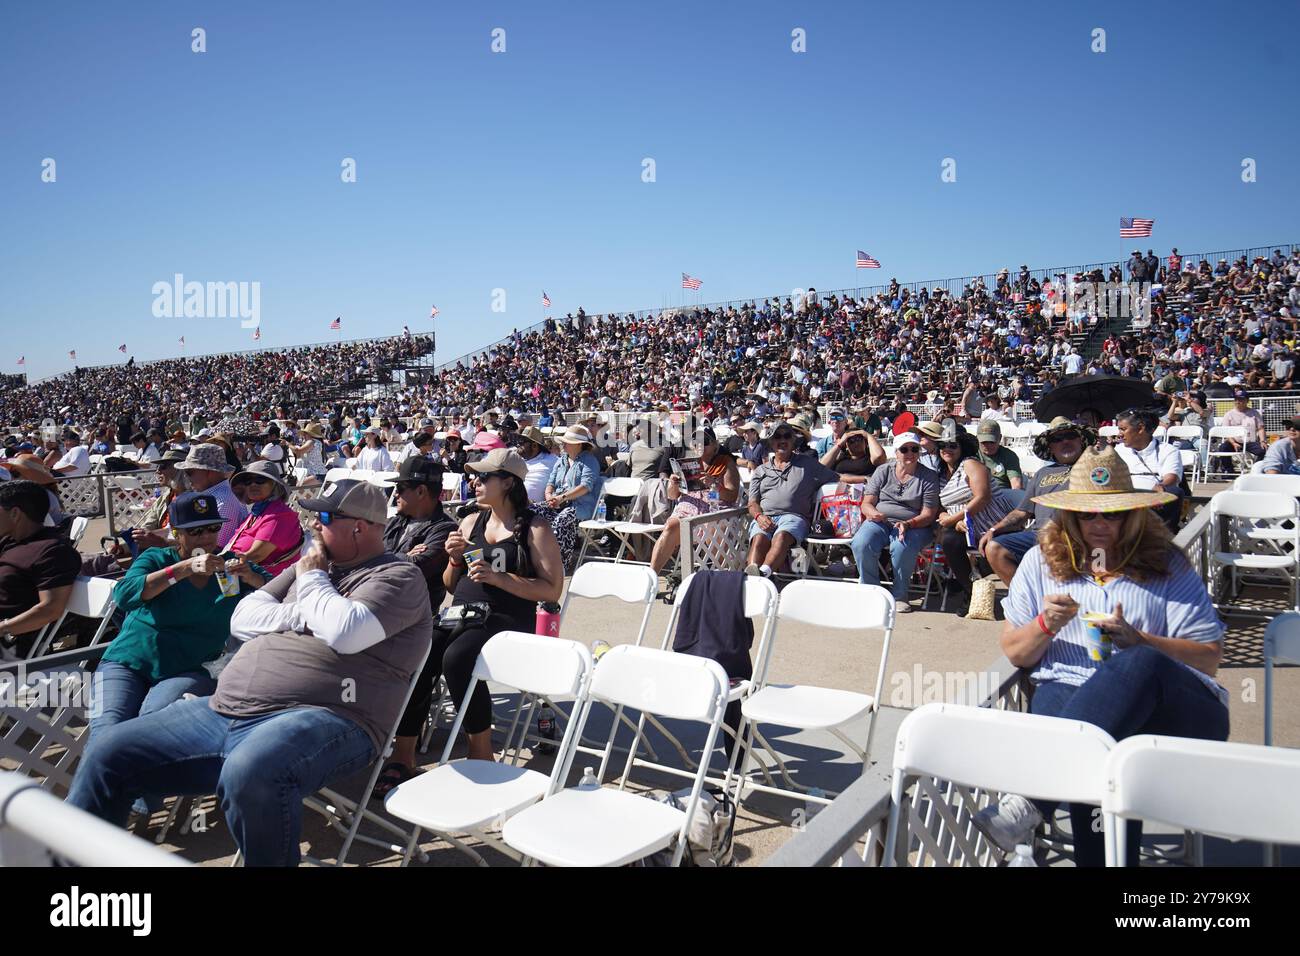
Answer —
710 837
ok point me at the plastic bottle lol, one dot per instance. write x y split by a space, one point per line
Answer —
600 510
588 781
713 497
548 619
546 730
1024 856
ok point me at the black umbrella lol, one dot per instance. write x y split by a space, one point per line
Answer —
1108 395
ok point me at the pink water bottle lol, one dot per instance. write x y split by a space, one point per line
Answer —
548 618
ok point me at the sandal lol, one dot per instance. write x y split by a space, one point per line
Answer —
390 778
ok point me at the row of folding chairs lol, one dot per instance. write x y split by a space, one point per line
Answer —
1231 790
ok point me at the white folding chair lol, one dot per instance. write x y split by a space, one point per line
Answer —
77 530
592 529
475 796
813 544
1269 484
1191 462
604 826
949 746
451 486
760 597
1255 521
1281 646
829 604
90 597
1217 435
1230 790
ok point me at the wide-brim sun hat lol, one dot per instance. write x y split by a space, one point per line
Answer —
208 457
314 431
1100 482
260 469
31 468
1042 446
576 435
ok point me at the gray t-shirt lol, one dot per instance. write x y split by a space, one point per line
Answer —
901 500
646 462
280 671
1046 480
790 490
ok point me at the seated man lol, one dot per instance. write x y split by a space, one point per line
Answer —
1280 459
37 567
333 643
781 496
75 462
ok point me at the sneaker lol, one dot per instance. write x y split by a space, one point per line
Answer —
753 569
902 607
1010 821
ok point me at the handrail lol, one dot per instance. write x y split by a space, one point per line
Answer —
35 824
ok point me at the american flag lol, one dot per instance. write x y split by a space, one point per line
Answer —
336 324
257 335
22 360
546 300
72 354
122 348
690 282
182 341
1135 228
433 311
866 262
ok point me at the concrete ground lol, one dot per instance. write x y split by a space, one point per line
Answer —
932 657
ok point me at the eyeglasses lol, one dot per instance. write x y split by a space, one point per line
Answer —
949 446
1111 516
1063 436
205 529
909 450
326 517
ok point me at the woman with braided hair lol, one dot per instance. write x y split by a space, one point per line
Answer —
501 563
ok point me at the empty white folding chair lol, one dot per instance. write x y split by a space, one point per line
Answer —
1230 790
760 597
1263 533
604 826
1238 458
829 604
593 528
1281 646
1269 484
993 751
478 796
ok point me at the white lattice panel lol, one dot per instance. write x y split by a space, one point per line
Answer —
81 496
130 505
717 541
44 741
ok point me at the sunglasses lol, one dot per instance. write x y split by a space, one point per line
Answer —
205 529
256 481
1111 516
1064 436
910 450
949 446
782 436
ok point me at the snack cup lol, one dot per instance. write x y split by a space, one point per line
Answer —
1098 641
474 555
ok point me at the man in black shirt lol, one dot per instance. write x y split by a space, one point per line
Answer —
419 529
37 567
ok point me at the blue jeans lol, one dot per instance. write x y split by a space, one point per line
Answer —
872 538
1137 691
260 768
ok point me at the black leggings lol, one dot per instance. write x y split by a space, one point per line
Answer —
454 658
953 543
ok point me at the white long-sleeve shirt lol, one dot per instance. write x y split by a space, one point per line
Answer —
345 625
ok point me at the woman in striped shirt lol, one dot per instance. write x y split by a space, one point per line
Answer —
1108 554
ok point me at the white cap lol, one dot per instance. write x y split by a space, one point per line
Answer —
905 438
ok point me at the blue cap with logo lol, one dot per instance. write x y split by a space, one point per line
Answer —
194 509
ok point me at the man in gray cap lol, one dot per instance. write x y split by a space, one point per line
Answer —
206 468
331 647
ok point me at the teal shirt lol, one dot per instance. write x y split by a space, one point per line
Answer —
178 629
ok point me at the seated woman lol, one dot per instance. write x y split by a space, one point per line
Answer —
176 619
501 563
271 535
970 506
311 453
1108 553
899 505
711 468
575 480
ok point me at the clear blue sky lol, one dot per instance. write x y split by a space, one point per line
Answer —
522 170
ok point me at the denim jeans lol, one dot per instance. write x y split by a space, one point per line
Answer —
260 768
872 538
1138 691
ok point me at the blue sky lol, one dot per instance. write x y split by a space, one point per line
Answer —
522 170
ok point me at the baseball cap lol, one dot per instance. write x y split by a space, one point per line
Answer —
350 498
1240 393
989 430
1294 424
501 459
194 509
419 470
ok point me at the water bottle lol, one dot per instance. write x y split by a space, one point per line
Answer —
713 498
546 730
548 619
1024 856
600 510
588 781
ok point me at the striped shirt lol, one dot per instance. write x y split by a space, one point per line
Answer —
1173 606
230 508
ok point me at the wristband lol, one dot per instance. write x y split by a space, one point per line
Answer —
1042 625
171 574
457 564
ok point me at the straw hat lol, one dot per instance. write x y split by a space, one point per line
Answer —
576 435
534 434
801 423
31 468
1100 482
315 431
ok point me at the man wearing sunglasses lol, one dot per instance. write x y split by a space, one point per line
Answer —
1007 542
781 495
332 645
419 529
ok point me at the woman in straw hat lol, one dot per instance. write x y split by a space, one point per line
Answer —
575 480
311 453
1116 629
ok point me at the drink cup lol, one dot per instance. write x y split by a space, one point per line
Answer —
475 555
1098 641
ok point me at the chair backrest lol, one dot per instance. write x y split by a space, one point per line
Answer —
1269 484
534 663
78 529
1189 432
1239 791
1282 639
1254 505
1108 431
621 487
660 682
1044 758
339 474
1228 431
761 599
1031 429
91 597
633 583
837 604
